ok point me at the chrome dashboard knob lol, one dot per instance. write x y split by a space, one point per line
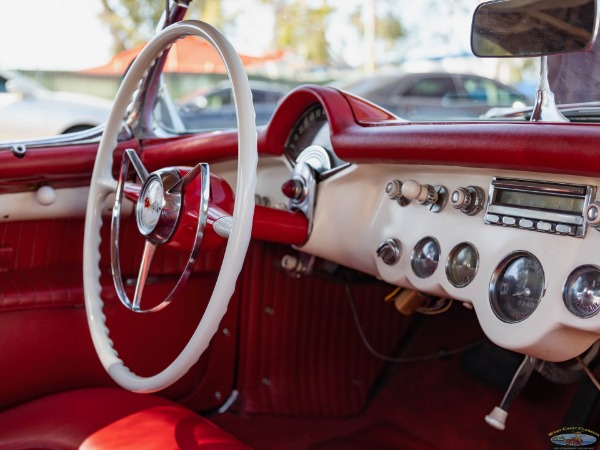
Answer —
468 200
592 214
390 251
393 190
433 197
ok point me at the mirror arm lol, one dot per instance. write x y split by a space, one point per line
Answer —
545 109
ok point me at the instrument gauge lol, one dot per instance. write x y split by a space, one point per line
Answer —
581 292
517 287
462 264
312 128
425 257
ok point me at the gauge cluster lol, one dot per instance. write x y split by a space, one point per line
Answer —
428 229
458 221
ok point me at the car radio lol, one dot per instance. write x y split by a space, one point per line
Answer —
542 206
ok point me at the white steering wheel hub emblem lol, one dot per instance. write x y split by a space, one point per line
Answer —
150 205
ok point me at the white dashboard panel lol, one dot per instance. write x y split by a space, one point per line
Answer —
354 216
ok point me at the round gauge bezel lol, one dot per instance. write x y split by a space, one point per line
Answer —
451 260
569 281
419 247
500 269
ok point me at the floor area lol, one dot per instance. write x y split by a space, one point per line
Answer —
431 404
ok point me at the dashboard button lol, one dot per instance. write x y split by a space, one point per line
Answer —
544 226
510 221
525 223
492 218
565 229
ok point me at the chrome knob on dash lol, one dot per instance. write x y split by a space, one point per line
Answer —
469 200
434 197
393 190
592 214
390 251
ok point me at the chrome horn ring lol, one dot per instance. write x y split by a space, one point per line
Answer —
157 212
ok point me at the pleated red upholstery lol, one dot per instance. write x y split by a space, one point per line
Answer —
301 352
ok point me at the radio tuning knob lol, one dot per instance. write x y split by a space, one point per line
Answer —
592 214
433 197
468 200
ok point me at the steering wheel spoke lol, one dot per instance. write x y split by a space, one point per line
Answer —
201 168
137 164
142 279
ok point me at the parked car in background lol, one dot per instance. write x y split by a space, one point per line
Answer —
28 110
215 108
436 96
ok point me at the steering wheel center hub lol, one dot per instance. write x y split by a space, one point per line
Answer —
159 206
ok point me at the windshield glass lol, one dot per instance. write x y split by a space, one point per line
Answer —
415 62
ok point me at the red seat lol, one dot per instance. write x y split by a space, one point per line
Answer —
109 418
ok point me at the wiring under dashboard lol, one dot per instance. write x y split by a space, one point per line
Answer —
409 359
425 304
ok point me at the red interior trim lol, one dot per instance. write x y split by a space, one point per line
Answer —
553 148
109 418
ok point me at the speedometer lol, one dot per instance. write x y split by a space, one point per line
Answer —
311 128
517 287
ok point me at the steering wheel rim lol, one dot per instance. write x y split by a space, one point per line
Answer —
103 183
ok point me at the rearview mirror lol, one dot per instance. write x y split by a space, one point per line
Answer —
525 28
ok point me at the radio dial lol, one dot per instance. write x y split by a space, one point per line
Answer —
592 214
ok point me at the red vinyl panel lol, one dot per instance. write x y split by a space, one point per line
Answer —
45 345
539 147
300 352
109 419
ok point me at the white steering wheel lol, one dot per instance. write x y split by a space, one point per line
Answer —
103 183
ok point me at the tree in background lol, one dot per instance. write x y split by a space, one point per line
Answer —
133 22
302 28
380 26
299 25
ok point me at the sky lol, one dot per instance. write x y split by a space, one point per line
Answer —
68 34
52 35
